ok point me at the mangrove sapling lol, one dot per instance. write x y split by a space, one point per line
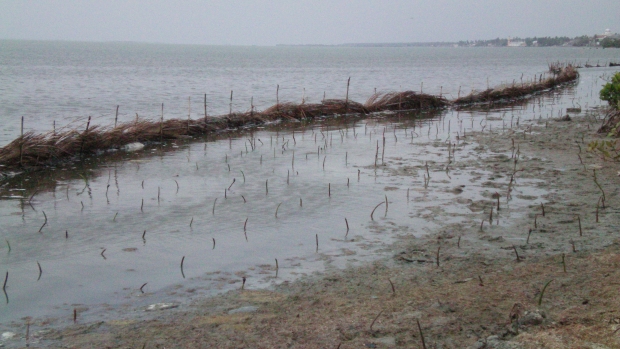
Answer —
437 255
528 237
191 222
213 243
393 289
458 243
74 315
373 321
597 207
44 223
102 253
347 223
82 203
317 243
543 292
213 210
142 287
599 186
175 181
277 268
329 190
40 271
373 211
421 334
8 245
573 246
563 262
142 206
182 273
243 283
516 253
386 206
144 235
277 208
267 187
579 220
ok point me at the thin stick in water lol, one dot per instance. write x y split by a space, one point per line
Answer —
44 223
373 211
182 273
317 243
40 271
277 208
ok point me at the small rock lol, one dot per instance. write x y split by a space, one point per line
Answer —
7 335
133 147
162 306
389 341
531 318
246 309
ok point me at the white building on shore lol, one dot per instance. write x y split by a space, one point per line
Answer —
516 43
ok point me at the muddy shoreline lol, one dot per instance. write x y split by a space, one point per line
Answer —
467 286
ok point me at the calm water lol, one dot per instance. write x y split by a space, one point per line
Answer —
66 82
91 250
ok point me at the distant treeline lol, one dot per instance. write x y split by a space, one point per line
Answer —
546 41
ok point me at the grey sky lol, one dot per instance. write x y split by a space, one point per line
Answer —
261 22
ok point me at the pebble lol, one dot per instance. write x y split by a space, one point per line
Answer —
133 147
161 306
7 335
389 341
246 309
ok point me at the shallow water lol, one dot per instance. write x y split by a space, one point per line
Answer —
109 206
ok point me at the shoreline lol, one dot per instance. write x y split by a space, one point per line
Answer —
463 285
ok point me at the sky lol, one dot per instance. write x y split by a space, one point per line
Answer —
266 23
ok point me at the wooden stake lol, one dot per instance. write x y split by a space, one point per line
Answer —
116 117
346 103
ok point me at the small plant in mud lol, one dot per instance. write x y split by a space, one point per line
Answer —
611 92
608 148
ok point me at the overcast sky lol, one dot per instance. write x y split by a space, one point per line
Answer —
262 22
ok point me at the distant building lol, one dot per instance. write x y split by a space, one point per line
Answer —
599 37
516 43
